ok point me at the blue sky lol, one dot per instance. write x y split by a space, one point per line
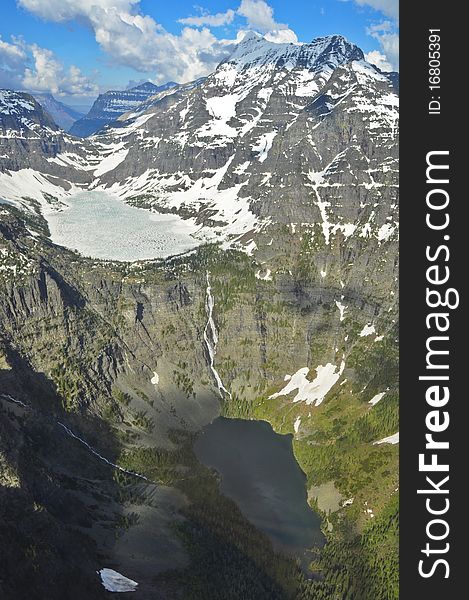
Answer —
78 48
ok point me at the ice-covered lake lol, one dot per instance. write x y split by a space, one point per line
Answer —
104 226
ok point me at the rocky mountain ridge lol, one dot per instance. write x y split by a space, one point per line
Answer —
110 105
277 134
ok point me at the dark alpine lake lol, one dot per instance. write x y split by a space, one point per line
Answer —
259 472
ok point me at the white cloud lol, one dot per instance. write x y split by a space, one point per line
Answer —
377 28
211 20
390 45
390 8
66 10
375 57
386 32
133 39
281 36
30 67
260 16
12 57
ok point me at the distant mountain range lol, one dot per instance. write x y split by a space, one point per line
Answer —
65 116
110 105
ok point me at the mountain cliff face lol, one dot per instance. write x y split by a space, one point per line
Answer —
107 107
277 134
31 175
286 157
27 130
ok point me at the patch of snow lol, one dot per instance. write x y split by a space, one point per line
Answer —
250 247
376 398
342 308
367 330
307 84
222 109
183 114
115 582
111 160
385 232
265 93
155 379
264 144
365 71
312 391
391 439
15 186
296 424
266 277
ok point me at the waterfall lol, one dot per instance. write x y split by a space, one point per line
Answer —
211 338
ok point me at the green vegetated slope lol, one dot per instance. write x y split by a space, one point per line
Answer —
80 343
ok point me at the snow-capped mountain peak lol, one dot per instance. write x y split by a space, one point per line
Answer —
279 133
20 112
255 50
15 103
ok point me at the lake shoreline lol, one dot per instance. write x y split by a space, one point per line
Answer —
258 470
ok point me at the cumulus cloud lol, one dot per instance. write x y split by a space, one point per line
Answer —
49 75
30 67
259 15
12 57
386 32
377 58
282 36
390 45
211 20
390 8
133 39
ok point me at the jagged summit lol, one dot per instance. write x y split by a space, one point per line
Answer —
149 86
255 50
